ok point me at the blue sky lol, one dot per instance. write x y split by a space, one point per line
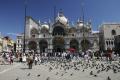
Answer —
99 11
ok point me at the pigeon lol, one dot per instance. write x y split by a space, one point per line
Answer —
62 74
96 67
28 74
118 70
108 78
91 73
17 78
98 71
83 70
114 70
50 68
56 73
65 72
95 75
71 74
38 75
48 78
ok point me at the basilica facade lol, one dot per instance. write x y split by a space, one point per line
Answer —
58 36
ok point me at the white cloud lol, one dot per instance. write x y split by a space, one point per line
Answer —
13 34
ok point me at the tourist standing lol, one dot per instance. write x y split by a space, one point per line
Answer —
30 61
24 58
36 59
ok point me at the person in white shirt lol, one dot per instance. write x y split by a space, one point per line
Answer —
36 59
24 58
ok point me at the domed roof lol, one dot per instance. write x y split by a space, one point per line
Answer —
80 24
61 18
45 25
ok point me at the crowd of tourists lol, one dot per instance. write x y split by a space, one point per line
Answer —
38 58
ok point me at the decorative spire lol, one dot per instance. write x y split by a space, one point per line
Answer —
61 12
81 19
39 22
78 20
89 21
72 23
49 21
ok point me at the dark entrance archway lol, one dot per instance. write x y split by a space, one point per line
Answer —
43 44
32 45
58 44
85 44
74 44
58 30
117 44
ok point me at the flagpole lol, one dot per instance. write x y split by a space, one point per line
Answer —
82 10
25 6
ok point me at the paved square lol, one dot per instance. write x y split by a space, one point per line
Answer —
61 71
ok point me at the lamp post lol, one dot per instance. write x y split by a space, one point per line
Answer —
82 10
25 6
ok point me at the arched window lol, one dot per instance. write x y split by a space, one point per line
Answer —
58 30
112 42
113 32
107 42
33 32
43 44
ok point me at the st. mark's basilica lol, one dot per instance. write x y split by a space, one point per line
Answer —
59 36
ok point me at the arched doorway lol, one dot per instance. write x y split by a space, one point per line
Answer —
34 32
43 44
58 30
32 45
74 44
58 44
85 44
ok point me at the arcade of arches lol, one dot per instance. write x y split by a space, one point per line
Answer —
43 44
59 45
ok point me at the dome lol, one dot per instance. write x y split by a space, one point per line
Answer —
45 26
61 18
80 24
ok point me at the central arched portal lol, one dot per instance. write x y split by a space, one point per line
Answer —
32 45
74 44
58 44
43 44
58 30
85 44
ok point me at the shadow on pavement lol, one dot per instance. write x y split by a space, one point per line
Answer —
24 68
